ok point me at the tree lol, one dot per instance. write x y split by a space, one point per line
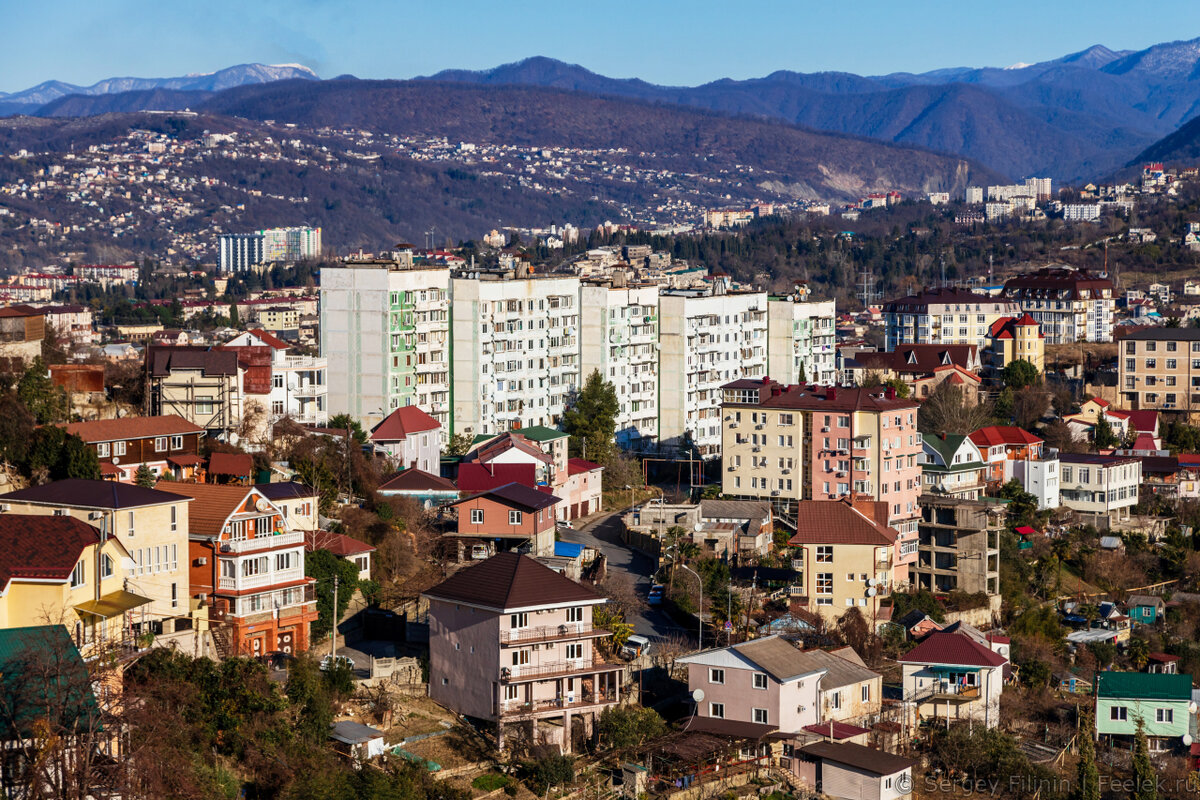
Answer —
460 444
1021 373
16 429
55 455
629 726
234 319
1087 776
1104 436
1022 506
324 566
1144 778
1139 653
946 410
346 422
144 477
591 420
1029 405
45 401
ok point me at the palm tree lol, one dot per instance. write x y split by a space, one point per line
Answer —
1139 653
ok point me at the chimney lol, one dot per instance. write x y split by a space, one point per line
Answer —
831 393
877 511
890 394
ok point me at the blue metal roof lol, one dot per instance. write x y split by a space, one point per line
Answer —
568 549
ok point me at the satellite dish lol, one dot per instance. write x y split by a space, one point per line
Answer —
698 695
1187 740
871 582
699 526
871 592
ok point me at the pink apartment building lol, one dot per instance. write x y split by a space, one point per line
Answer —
511 642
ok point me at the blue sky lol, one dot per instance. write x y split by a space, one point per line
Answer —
82 41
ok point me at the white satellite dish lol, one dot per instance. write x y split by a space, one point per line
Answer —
699 526
1187 740
871 592
871 582
698 695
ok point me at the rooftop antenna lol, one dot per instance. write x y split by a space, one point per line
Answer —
991 258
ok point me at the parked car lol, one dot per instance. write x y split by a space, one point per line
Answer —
636 645
655 596
566 524
333 662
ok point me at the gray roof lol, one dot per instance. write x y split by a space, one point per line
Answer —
1143 600
734 509
777 657
839 671
1164 335
83 493
352 732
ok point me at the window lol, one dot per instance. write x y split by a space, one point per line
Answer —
102 449
277 381
118 448
824 583
129 527
174 518
575 614
835 700
825 554
511 692
160 443
520 658
176 442
519 620
174 595
716 676
1118 713
760 716
78 575
716 710
106 567
284 561
204 404
476 516
574 651
760 680
1164 715
866 692
514 517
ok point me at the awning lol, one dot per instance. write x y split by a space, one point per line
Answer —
112 604
729 728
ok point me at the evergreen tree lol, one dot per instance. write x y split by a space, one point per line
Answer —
45 401
144 477
1104 435
1020 373
1087 777
324 565
1144 777
234 320
591 421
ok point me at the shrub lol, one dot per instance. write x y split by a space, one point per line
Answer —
491 781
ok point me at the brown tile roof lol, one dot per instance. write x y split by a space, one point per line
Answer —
111 430
493 447
868 759
820 398
955 649
239 465
402 423
517 495
508 581
214 504
416 480
921 358
81 493
838 522
161 360
337 543
38 546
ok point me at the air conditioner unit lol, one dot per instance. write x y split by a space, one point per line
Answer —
825 429
787 472
201 561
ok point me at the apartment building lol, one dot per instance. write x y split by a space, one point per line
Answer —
162 444
523 333
281 384
708 338
246 567
388 325
619 338
845 557
1159 368
1101 488
959 548
511 642
787 444
802 339
1070 305
240 252
944 316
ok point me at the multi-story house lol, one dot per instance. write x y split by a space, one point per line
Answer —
787 444
944 316
1159 368
299 504
1102 488
1012 452
708 338
923 367
512 642
959 549
247 568
952 676
1016 338
850 693
1162 702
512 516
58 570
845 557
21 332
619 338
388 323
523 333
952 466
152 527
296 388
411 438
163 444
802 339
201 385
1070 305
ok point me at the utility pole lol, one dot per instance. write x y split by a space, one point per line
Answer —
334 615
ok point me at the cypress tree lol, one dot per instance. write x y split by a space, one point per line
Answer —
1087 777
1144 777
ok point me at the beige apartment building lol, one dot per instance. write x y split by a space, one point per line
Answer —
1159 368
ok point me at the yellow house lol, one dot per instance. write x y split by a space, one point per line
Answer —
1014 338
152 525
60 570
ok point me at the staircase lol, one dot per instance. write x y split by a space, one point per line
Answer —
223 641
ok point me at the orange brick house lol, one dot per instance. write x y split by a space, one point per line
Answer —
509 517
1000 443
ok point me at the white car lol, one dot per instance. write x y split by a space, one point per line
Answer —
333 662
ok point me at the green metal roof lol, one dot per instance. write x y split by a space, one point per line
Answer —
1144 686
540 433
41 669
946 447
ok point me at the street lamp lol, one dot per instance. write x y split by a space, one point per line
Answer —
700 611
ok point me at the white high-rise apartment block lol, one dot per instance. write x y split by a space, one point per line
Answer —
516 346
238 252
802 343
707 338
291 244
619 337
385 330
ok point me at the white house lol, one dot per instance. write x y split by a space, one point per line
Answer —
1104 487
950 675
410 437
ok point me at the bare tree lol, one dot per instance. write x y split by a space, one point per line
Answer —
947 410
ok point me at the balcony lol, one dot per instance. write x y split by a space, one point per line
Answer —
309 390
243 582
551 633
263 542
955 693
555 669
515 708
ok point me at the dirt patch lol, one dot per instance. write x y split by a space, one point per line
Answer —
457 748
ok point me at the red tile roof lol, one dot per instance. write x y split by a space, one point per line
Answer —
1146 420
490 449
402 423
481 477
415 480
576 466
269 339
35 546
336 543
112 430
239 465
836 730
214 504
955 649
994 435
838 522
510 581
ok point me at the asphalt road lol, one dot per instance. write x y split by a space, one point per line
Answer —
603 534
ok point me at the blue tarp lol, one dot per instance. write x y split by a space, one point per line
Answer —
568 549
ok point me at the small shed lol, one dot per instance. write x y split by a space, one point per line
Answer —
355 740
